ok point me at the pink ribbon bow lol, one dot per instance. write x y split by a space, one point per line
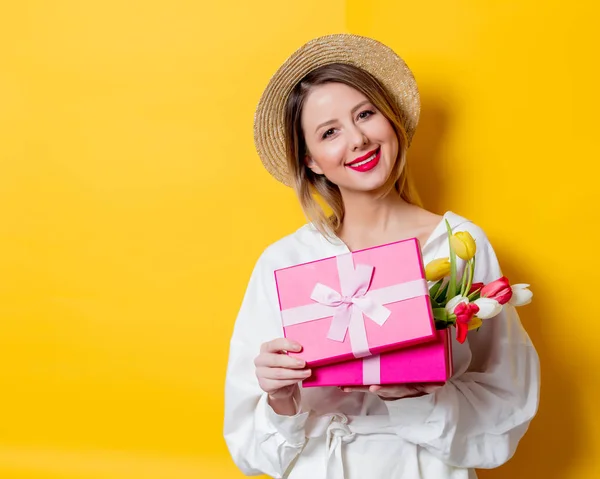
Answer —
350 306
355 301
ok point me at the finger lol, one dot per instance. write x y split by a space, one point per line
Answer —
273 360
351 389
379 390
387 389
279 345
393 391
429 388
283 374
419 386
272 385
382 389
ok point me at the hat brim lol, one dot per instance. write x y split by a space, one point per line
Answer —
366 53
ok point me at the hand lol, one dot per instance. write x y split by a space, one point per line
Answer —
396 391
279 374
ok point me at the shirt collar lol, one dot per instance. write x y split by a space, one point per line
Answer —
439 231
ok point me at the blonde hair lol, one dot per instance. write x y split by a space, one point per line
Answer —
306 183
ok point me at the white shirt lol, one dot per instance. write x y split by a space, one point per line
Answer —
474 421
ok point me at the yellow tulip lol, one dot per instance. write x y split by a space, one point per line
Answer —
475 323
463 245
437 269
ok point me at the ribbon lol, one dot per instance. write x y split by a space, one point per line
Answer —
355 301
371 369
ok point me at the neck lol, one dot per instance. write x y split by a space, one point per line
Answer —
367 218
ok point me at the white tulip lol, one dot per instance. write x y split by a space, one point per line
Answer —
488 308
454 302
521 295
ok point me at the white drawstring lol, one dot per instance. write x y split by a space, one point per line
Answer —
339 429
338 433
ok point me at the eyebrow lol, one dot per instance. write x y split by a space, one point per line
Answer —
334 120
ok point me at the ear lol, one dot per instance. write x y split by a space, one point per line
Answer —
312 164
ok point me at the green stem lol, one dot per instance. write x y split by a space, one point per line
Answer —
452 284
465 276
471 275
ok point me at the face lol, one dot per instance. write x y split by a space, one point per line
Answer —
348 139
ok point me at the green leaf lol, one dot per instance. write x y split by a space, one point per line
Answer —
434 303
441 296
440 318
474 295
435 288
440 314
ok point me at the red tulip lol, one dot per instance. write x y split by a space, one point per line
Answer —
499 290
464 313
474 287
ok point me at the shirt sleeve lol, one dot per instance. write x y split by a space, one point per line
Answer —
259 440
478 417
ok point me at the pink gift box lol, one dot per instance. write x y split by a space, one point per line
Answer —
430 362
357 304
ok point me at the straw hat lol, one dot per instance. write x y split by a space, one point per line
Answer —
366 53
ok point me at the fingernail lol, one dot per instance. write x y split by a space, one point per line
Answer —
308 372
300 362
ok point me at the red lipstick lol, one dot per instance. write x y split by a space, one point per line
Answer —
366 162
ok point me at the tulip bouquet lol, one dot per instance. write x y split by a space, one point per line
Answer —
461 303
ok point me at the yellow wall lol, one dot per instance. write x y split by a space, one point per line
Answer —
128 182
127 167
510 107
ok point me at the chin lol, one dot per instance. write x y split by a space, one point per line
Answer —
372 184
366 186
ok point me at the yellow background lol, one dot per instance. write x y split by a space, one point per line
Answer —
133 207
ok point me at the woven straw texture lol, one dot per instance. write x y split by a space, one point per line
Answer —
366 53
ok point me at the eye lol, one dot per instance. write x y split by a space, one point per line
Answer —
328 133
365 114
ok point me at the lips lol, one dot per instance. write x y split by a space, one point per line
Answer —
366 162
362 158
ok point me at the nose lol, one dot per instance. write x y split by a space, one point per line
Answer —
358 138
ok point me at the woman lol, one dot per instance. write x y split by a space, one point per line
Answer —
337 119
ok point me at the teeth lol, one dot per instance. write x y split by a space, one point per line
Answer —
370 158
